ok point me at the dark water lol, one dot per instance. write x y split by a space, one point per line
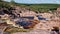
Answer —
40 18
31 18
24 23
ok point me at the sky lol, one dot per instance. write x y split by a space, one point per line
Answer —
36 1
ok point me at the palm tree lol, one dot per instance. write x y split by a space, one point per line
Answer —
12 2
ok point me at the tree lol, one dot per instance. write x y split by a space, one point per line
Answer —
13 2
1 0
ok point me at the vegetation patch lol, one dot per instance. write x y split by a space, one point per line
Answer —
14 30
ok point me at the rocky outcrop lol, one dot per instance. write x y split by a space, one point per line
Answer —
14 14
